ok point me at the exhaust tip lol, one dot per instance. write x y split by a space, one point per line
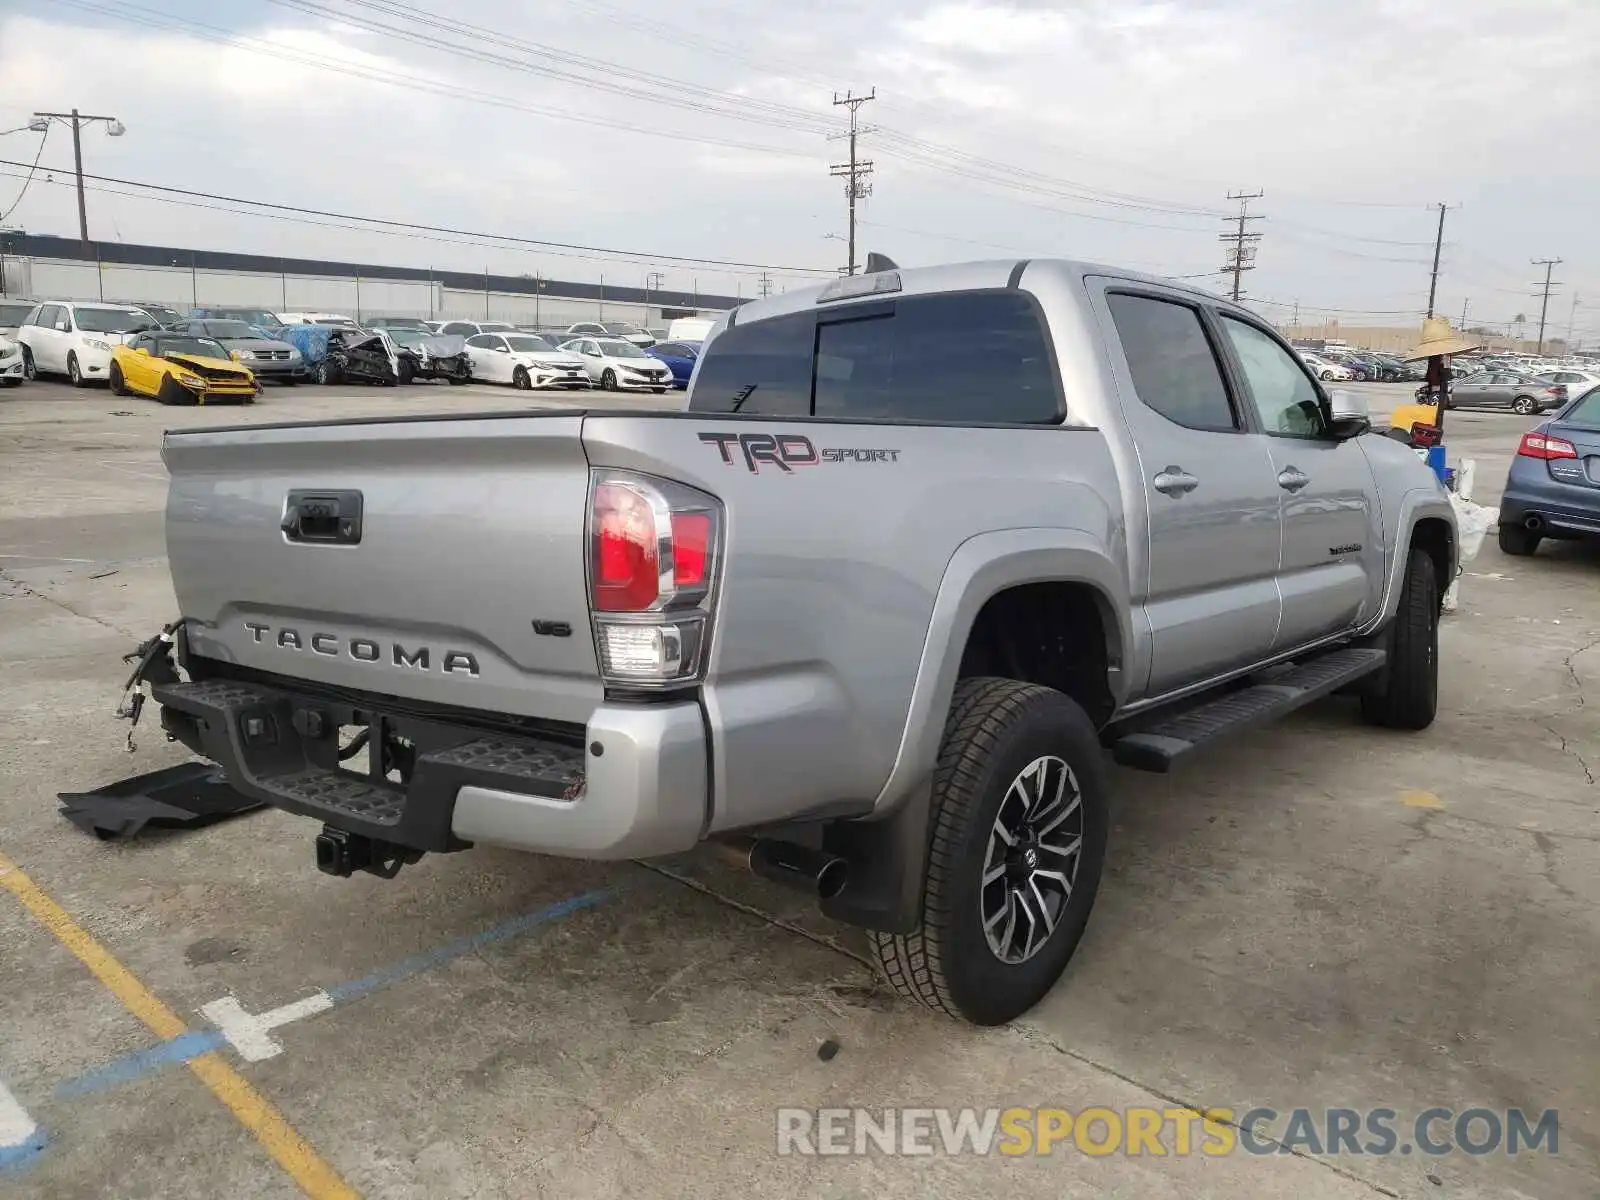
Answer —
1532 522
831 879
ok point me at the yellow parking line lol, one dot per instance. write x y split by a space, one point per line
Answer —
292 1152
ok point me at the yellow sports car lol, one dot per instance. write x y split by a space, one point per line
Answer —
180 368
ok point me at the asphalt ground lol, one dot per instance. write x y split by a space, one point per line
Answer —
1317 915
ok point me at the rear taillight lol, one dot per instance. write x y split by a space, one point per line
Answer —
1542 445
652 566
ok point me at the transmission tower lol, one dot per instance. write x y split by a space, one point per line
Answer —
855 172
766 284
1241 255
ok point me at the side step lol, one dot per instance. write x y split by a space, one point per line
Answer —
1157 747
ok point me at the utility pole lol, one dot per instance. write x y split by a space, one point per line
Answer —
855 172
654 279
1242 254
766 285
1549 265
1463 325
78 120
1438 245
1572 317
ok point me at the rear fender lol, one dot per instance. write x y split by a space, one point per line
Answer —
888 850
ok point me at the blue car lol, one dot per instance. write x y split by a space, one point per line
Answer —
1553 490
680 356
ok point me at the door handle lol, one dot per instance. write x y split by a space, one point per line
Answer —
1292 479
1175 481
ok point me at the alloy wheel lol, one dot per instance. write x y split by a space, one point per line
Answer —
1031 863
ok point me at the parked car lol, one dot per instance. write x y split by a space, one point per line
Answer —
1326 369
908 729
1553 487
165 315
525 360
616 365
1576 382
680 357
75 340
1502 389
12 314
690 329
422 354
319 318
179 368
356 356
468 329
267 358
10 362
626 330
391 323
260 318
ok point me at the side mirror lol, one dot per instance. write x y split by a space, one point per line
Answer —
1349 415
501 350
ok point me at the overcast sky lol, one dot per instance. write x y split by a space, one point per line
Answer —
1111 131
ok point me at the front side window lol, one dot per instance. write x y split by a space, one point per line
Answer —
1284 399
1174 370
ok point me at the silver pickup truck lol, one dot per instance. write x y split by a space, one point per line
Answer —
924 547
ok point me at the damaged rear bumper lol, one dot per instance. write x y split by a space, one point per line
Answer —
631 783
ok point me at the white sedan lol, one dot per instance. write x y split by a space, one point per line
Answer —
619 366
1326 368
524 360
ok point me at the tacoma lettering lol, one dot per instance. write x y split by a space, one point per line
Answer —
369 650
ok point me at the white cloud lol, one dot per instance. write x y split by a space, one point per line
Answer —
1480 103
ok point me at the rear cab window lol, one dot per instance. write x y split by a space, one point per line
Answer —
979 357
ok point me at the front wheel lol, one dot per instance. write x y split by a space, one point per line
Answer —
1524 406
521 380
29 371
608 380
1018 839
1408 692
74 371
459 380
327 373
1327 376
119 386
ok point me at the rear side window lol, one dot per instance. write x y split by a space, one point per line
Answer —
763 367
965 357
1174 369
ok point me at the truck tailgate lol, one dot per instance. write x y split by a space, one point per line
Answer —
465 583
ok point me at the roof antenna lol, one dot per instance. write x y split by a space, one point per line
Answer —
880 262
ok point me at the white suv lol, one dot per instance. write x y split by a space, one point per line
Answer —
75 340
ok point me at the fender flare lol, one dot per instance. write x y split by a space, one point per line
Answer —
1418 504
888 849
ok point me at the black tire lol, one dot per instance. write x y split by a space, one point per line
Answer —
608 380
1408 693
74 371
658 391
1524 406
327 373
1399 435
1517 541
521 380
288 381
29 371
996 729
1327 376
407 374
459 380
119 386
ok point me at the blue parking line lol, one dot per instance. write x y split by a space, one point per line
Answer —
20 1154
191 1045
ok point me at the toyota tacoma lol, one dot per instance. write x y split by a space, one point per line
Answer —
924 549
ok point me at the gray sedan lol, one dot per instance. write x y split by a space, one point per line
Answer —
1504 389
269 359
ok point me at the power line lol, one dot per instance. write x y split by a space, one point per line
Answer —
499 238
1549 265
855 172
1242 253
32 167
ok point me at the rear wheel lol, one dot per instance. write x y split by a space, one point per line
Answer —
521 380
119 386
1018 838
1524 405
608 380
1517 540
1408 696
